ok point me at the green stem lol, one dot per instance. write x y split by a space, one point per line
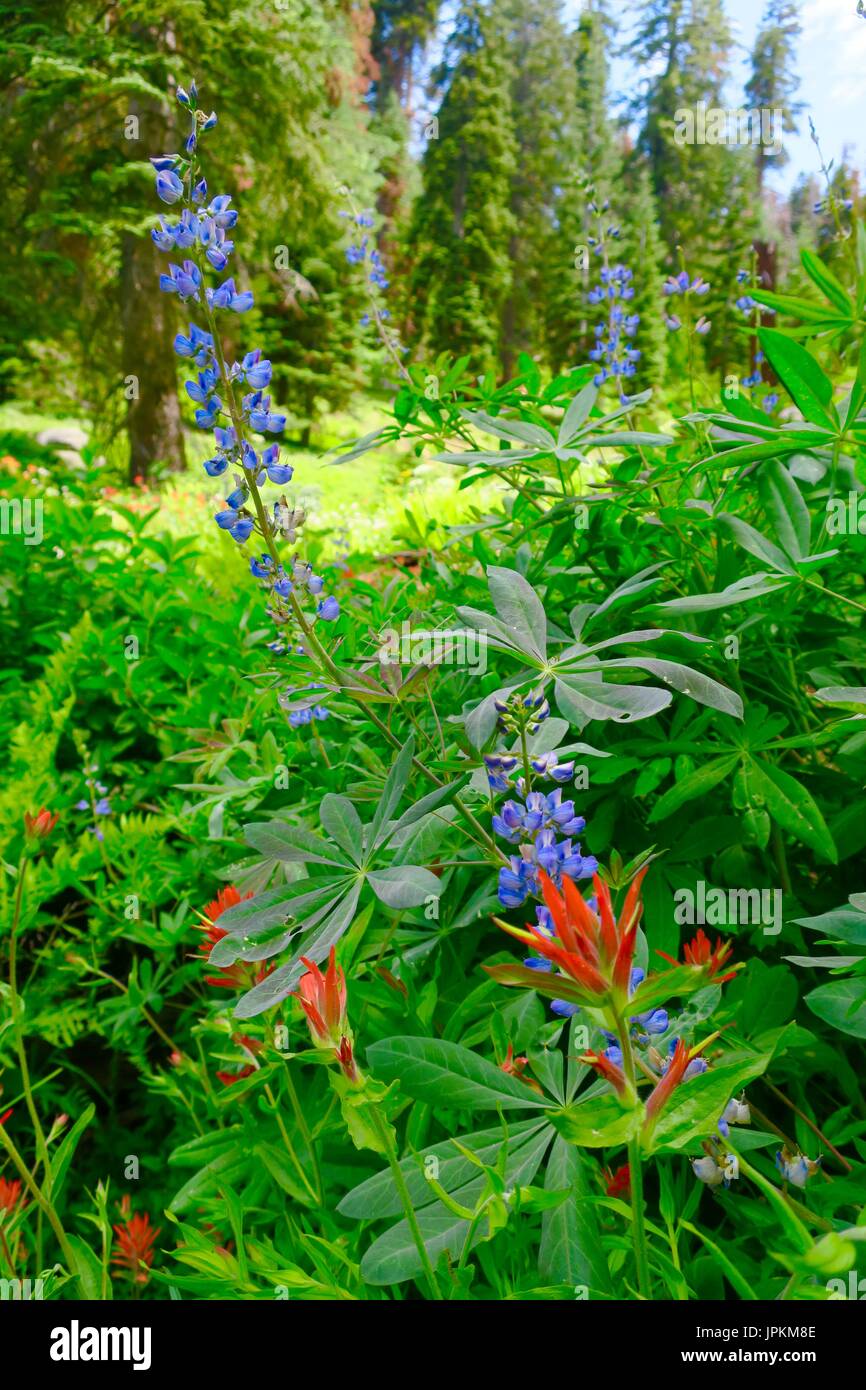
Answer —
638 1227
635 1166
384 1132
44 1205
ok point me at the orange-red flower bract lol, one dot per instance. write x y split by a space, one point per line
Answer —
226 897
10 1193
699 952
516 1066
606 1068
617 1184
323 1000
133 1248
593 949
242 974
671 1079
40 825
228 1078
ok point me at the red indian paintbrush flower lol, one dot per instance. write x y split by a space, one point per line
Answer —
323 1000
242 974
606 1068
133 1248
592 948
10 1194
699 952
671 1079
617 1184
40 825
684 1062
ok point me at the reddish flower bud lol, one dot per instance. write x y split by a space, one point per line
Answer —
516 1066
606 1068
39 826
323 1000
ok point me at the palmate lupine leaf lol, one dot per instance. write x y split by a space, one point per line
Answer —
578 432
312 914
580 687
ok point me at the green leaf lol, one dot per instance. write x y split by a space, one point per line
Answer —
810 390
784 503
393 1258
738 1283
694 1109
444 1073
292 844
844 923
577 413
842 1004
822 276
419 811
583 700
520 609
404 885
359 1106
570 1250
273 907
756 544
65 1152
392 792
676 983
689 682
792 807
314 943
805 309
343 824
88 1270
616 439
741 591
377 1197
696 783
597 1124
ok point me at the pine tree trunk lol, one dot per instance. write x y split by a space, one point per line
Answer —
153 421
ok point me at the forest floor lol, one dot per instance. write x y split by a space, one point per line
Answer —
375 503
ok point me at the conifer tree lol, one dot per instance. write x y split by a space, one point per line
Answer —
773 81
461 236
